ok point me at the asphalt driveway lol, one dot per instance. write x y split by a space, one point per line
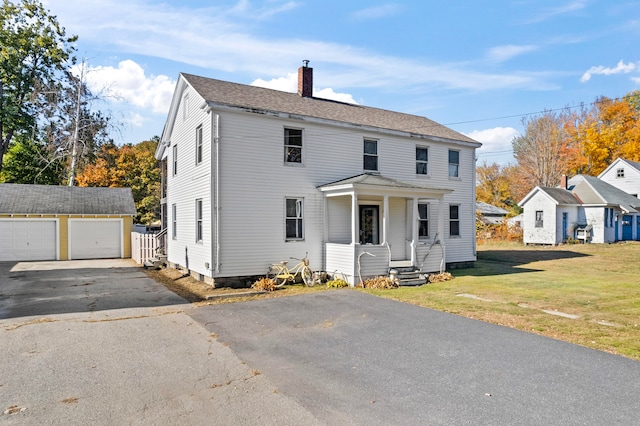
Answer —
352 358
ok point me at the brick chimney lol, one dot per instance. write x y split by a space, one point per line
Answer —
564 182
305 80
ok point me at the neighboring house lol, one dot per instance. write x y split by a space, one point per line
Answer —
46 222
490 214
624 175
254 176
584 208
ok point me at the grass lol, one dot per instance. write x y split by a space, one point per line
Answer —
598 283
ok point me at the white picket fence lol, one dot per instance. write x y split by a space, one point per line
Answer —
143 247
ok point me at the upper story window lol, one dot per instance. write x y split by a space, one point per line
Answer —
422 160
423 221
294 218
175 160
539 219
199 144
185 107
454 163
199 220
292 146
370 155
620 173
454 220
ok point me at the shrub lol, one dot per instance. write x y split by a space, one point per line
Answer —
337 283
378 283
264 284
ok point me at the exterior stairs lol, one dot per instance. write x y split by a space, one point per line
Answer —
409 276
157 262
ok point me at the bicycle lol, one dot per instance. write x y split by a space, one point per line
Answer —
281 274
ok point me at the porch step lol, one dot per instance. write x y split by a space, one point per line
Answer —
157 262
410 276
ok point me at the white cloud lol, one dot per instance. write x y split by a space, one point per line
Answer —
504 53
290 84
560 10
377 12
128 82
495 141
620 68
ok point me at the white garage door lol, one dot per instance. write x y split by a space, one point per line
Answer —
95 238
27 239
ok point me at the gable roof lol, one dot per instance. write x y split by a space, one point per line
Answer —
633 164
367 180
592 190
261 100
559 196
51 199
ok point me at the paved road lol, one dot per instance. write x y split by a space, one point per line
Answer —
101 344
351 358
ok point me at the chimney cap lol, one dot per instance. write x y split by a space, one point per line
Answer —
305 63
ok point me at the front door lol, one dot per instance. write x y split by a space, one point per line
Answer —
627 230
369 224
565 223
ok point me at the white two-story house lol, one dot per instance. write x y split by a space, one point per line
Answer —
254 176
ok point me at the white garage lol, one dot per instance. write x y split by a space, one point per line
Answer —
28 239
95 238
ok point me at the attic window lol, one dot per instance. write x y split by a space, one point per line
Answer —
620 173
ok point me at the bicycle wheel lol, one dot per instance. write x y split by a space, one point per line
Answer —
277 275
307 277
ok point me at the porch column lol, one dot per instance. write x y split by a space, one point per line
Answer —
354 219
414 230
385 220
441 219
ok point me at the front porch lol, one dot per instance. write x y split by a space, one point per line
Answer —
374 223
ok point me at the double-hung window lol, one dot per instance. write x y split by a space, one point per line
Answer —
175 160
294 218
454 220
199 220
199 144
539 219
422 160
370 155
423 221
620 173
292 146
454 163
174 221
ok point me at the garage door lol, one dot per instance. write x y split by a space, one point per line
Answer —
27 239
95 239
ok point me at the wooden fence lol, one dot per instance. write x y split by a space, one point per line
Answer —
143 247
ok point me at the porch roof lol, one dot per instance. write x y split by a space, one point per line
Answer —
381 185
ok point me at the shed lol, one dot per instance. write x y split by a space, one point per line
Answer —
47 222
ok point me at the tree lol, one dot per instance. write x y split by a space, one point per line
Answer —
34 50
492 185
28 161
132 166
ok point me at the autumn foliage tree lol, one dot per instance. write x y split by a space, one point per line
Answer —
132 166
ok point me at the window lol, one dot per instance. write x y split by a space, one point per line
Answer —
370 155
539 219
454 163
294 217
454 221
174 221
422 158
609 216
175 160
620 173
199 144
423 221
199 220
293 146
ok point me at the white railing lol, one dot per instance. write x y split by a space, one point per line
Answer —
143 247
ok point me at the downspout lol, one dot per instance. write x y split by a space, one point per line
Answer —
216 140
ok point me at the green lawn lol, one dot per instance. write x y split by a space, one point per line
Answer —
598 283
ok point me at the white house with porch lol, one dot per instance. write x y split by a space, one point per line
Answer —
254 176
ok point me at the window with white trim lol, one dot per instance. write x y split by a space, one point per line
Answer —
199 144
422 160
294 216
620 173
539 219
423 220
292 146
454 220
174 221
175 160
370 160
454 163
199 220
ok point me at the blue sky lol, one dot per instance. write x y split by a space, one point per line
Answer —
478 67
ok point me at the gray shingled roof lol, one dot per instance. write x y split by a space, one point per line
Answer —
489 209
561 196
50 199
258 99
592 190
